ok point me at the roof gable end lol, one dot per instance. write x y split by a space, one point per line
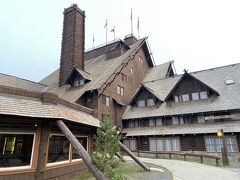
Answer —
186 74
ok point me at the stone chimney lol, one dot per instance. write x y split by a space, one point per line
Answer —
73 42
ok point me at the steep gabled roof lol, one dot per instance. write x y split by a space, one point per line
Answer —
158 72
101 70
215 78
180 80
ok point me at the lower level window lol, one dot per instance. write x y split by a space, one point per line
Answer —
60 149
16 149
214 144
131 144
164 144
84 142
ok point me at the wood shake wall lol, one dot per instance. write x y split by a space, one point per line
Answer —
130 86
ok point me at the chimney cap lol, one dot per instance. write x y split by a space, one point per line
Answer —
72 7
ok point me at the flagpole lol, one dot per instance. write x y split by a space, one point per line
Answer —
138 29
105 26
131 23
114 32
106 29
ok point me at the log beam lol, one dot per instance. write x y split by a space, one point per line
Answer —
81 151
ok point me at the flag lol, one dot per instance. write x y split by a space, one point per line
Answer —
105 24
113 29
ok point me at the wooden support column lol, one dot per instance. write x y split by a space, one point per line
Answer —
81 151
42 151
144 166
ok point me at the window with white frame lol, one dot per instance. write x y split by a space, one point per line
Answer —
140 59
61 151
141 103
185 97
120 90
195 96
214 144
151 102
131 70
130 144
16 149
164 144
203 95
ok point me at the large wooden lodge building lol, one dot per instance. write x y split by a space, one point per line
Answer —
157 109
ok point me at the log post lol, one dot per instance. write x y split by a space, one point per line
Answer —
42 155
81 151
144 166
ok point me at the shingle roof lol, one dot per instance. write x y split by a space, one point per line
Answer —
34 107
157 72
99 67
182 129
15 82
215 78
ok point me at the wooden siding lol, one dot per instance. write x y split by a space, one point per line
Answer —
143 143
130 87
192 143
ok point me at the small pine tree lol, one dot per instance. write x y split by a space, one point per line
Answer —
106 145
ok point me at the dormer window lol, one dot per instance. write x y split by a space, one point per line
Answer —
78 82
78 78
203 95
151 102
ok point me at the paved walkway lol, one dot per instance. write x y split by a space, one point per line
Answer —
184 170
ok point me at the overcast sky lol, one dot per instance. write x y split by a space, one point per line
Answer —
196 34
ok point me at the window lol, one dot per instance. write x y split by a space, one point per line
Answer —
131 123
164 144
120 90
131 70
16 149
105 100
214 144
136 124
181 120
78 82
159 122
175 120
130 144
195 96
152 122
151 102
203 95
185 97
60 150
200 119
84 142
124 77
141 103
178 98
140 59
